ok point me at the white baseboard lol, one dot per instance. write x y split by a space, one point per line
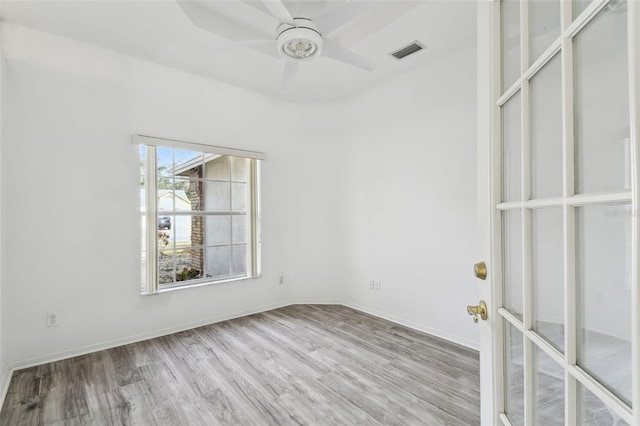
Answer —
32 362
419 327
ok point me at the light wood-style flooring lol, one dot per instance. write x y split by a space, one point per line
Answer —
302 364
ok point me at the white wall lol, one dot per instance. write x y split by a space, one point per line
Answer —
380 186
409 199
73 109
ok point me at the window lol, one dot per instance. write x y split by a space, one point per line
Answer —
200 214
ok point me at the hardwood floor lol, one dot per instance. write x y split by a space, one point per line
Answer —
303 364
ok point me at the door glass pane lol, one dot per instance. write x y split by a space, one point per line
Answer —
604 295
510 14
514 374
593 412
602 103
546 130
544 26
511 158
548 274
548 390
512 261
579 6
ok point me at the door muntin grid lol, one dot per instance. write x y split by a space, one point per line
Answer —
584 199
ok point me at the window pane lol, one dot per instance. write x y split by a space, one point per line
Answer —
546 130
186 162
189 263
593 412
218 262
217 168
197 246
511 150
181 187
239 197
544 26
143 254
514 374
512 261
218 230
510 13
164 158
239 169
548 390
180 227
217 196
548 274
604 295
166 266
239 259
240 227
602 104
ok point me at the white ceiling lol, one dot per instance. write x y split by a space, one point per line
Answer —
160 31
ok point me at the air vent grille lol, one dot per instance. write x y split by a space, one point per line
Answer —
408 50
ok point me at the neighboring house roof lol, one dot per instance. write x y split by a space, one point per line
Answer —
182 168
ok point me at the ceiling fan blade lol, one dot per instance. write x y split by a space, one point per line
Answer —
240 44
290 71
208 20
278 10
333 50
336 17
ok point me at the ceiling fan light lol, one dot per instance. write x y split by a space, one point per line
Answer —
299 42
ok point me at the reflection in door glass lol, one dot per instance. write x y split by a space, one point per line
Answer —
514 374
511 150
548 390
602 103
512 261
510 13
593 412
546 130
544 26
603 283
548 274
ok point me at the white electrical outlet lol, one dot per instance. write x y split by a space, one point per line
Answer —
378 285
281 279
372 284
52 320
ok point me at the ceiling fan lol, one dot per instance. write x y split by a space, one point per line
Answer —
296 39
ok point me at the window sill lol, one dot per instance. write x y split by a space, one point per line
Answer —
175 287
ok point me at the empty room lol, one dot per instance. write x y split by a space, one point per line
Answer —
320 212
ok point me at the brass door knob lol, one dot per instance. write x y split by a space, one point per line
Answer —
480 309
480 270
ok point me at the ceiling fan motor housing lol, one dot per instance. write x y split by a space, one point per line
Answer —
299 42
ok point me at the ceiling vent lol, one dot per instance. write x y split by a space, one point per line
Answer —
412 48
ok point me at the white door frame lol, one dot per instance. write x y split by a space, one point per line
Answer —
489 196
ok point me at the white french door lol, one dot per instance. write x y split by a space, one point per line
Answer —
558 157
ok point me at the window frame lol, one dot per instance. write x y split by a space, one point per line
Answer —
149 249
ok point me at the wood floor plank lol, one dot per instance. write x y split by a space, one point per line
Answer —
302 364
